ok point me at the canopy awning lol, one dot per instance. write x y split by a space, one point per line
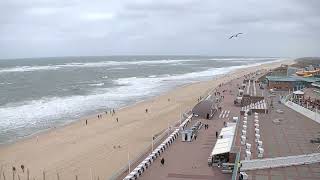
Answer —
224 144
298 92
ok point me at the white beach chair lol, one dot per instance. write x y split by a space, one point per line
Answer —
244 132
257 130
244 127
248 146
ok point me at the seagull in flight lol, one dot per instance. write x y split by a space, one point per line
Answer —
235 35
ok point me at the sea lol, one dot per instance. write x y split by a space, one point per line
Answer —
37 94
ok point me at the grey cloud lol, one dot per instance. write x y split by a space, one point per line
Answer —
36 28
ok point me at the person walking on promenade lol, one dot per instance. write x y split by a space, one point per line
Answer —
162 161
216 134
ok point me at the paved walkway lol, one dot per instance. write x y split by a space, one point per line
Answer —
189 160
290 137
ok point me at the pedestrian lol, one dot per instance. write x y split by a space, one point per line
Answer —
106 112
162 161
86 121
114 111
146 110
195 137
117 120
216 134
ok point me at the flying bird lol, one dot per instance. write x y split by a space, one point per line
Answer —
235 35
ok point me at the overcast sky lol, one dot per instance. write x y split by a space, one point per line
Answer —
42 28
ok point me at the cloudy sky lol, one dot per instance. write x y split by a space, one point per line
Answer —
42 28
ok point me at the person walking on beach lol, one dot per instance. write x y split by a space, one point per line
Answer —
146 110
117 119
162 161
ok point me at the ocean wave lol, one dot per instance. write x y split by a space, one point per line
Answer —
5 83
153 82
96 84
121 63
50 110
91 64
27 69
245 59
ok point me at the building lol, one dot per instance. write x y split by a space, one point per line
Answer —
205 109
284 83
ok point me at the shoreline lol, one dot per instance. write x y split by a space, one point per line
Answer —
64 131
71 121
92 116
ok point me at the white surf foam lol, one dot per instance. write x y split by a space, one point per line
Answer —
120 63
28 69
49 110
90 64
96 84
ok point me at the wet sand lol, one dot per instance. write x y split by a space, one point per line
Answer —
100 148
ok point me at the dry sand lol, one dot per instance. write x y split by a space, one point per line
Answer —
86 151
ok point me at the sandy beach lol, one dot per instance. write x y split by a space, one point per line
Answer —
100 148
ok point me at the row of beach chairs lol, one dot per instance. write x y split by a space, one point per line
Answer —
146 163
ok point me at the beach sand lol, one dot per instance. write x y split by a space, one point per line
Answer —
88 150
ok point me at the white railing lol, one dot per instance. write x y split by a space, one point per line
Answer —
125 168
314 115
